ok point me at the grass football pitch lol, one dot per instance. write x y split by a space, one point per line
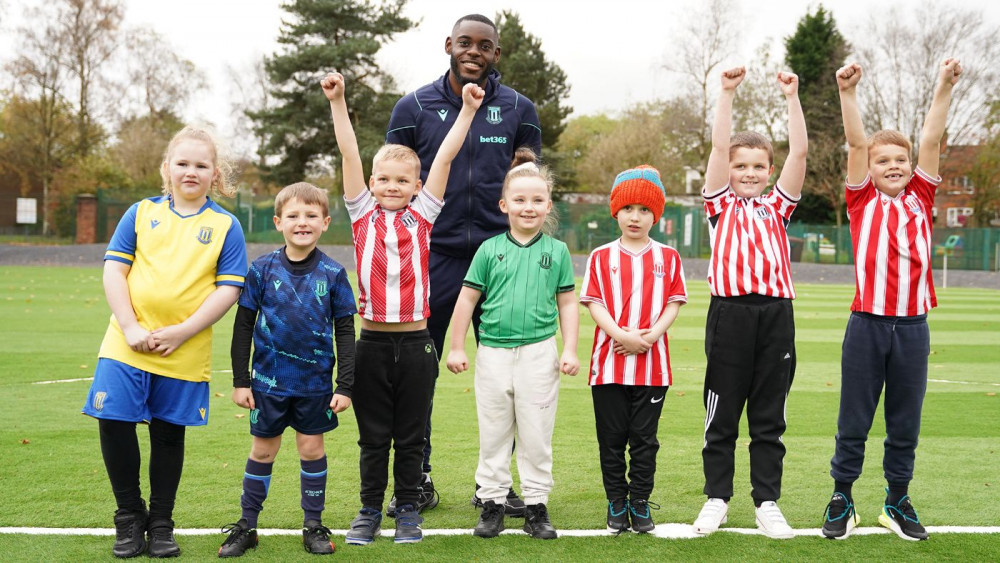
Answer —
53 475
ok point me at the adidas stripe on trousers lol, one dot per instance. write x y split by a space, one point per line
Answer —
750 347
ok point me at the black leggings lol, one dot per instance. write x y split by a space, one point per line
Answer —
120 449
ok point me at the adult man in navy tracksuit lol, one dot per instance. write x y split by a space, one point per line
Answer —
505 122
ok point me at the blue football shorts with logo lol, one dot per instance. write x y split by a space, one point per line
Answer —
122 392
306 415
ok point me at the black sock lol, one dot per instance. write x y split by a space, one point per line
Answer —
166 460
312 482
256 482
120 450
896 493
844 489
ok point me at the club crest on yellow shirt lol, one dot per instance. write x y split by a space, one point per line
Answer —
205 235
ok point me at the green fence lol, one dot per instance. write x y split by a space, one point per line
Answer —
584 227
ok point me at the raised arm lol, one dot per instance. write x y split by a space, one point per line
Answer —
930 136
854 130
437 178
347 142
793 173
717 171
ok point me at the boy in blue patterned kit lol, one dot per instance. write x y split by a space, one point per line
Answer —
294 298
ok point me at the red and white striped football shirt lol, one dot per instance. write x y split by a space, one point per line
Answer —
750 252
892 247
391 250
635 289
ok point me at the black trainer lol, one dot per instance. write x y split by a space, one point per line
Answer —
427 497
840 517
316 538
638 512
537 524
618 515
490 521
130 532
902 519
365 527
161 539
512 506
408 522
241 538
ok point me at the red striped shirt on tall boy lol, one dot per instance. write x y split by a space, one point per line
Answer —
635 288
391 253
750 252
892 247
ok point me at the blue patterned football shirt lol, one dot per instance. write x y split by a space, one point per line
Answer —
296 305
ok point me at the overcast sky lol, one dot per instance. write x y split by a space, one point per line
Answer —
612 52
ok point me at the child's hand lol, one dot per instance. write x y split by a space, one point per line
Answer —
168 338
472 95
632 342
569 363
457 361
848 76
951 69
333 86
789 83
138 338
243 397
731 78
340 403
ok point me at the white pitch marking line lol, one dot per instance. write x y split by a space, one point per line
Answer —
964 382
63 381
667 531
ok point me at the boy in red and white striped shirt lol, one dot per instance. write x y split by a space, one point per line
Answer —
396 364
633 288
887 340
750 332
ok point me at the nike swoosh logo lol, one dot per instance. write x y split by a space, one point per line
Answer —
654 401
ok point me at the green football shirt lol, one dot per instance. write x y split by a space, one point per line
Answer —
520 283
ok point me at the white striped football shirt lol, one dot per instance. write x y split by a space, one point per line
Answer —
635 289
750 252
391 250
892 247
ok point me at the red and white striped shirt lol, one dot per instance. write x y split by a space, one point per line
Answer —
391 250
635 289
892 247
750 252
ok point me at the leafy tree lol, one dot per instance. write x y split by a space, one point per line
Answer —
985 174
320 36
814 52
525 68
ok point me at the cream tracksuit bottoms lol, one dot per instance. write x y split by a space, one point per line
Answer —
517 391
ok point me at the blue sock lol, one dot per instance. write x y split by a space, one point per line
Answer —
256 482
313 482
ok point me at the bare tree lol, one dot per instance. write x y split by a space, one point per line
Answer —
250 92
90 31
39 75
704 42
160 79
901 50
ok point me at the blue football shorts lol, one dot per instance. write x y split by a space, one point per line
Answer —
307 415
122 392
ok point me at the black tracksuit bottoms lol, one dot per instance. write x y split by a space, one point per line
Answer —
750 346
879 352
393 382
628 415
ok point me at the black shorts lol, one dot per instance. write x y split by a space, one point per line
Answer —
307 415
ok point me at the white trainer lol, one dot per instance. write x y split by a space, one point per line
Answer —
712 515
772 522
